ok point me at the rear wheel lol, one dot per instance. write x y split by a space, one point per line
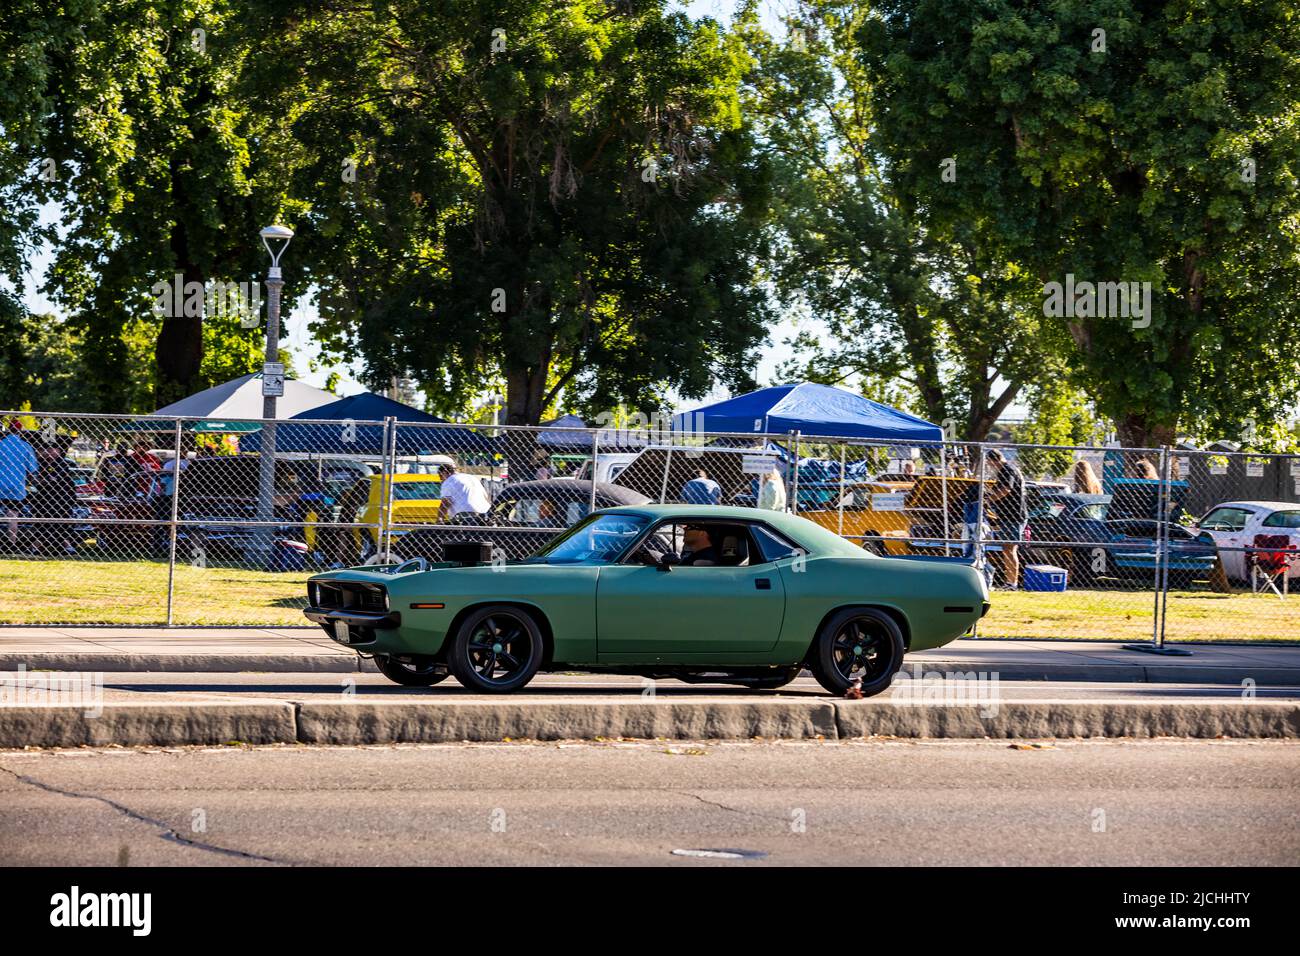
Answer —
497 649
863 644
412 671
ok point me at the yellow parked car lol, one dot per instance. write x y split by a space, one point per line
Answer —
416 499
897 517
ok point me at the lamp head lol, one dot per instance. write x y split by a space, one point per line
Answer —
282 235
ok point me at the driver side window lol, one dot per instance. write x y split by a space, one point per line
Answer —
701 544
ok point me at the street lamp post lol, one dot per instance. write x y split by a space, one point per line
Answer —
272 388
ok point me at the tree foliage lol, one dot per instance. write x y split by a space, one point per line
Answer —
559 196
1165 149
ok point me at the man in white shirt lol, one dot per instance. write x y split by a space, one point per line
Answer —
461 493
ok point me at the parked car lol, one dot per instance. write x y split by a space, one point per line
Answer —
416 498
1234 525
524 516
1121 548
219 493
618 593
894 518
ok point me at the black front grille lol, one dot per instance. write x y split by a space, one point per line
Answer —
355 597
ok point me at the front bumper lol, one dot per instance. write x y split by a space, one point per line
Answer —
351 627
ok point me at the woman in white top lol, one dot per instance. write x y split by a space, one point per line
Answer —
771 491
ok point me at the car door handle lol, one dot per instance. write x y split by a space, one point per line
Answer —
763 584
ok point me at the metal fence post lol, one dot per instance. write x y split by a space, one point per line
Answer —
843 450
943 484
595 459
977 536
794 497
389 466
177 462
668 464
1160 598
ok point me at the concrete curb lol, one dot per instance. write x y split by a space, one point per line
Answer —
263 722
1252 718
438 722
148 724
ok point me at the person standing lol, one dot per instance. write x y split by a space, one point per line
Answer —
771 491
461 493
17 464
1007 498
1083 480
701 490
54 495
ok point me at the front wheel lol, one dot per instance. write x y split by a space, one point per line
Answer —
497 649
857 644
413 671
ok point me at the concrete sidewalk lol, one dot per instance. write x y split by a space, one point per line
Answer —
305 650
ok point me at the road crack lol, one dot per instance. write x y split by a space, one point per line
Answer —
167 832
723 806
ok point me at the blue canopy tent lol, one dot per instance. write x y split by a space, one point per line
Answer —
317 431
814 410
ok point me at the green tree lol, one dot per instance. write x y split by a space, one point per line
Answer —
1119 141
904 298
160 173
562 196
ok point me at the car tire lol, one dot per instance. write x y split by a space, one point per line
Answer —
420 671
860 642
500 637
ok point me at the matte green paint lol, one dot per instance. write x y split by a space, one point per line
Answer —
613 615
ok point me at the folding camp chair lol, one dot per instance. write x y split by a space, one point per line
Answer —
1269 560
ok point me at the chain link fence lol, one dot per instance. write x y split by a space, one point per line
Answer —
145 520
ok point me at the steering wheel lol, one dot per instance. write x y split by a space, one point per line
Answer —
411 564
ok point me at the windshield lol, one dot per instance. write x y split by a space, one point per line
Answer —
598 540
417 490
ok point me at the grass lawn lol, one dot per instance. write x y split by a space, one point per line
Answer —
1110 615
135 592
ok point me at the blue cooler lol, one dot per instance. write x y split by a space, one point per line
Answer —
1045 577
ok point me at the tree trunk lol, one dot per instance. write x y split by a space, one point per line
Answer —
178 351
1137 430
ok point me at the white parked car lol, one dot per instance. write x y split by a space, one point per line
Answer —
1235 524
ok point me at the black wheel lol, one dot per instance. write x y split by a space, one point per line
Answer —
857 644
779 678
413 671
497 649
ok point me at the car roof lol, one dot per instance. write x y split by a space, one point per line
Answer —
1260 505
1078 497
806 533
573 487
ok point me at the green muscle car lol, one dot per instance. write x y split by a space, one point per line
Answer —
741 595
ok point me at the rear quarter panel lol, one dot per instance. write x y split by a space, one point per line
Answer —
918 590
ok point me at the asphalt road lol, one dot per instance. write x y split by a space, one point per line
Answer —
1165 803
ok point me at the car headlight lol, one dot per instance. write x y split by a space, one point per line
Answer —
313 593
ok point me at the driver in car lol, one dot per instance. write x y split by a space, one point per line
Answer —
697 547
